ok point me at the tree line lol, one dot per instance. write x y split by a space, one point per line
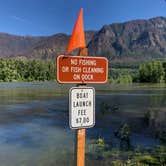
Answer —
26 70
21 69
150 72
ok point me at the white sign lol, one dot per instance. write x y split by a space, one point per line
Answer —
81 107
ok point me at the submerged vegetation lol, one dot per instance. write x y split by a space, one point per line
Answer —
119 148
123 134
140 156
126 155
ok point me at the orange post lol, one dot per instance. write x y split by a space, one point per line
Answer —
80 133
80 147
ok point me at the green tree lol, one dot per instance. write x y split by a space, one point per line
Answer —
26 70
151 72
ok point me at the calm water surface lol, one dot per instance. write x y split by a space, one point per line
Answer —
34 126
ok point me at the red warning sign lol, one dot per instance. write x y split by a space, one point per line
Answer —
82 69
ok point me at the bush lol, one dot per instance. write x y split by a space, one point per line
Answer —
151 72
124 79
26 70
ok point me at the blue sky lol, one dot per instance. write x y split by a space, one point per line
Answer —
47 17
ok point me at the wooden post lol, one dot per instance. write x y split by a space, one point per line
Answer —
80 147
80 133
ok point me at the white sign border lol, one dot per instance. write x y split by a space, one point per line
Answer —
70 115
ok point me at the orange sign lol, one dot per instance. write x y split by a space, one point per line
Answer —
82 69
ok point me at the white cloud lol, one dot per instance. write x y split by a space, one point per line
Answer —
19 19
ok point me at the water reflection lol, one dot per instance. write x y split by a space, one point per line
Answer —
34 120
155 118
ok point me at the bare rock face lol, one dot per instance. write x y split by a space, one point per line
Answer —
145 38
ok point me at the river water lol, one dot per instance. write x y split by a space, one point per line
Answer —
34 127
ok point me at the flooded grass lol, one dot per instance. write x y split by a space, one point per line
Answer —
34 127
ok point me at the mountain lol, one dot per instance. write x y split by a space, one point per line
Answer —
48 47
12 45
35 47
136 40
51 46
